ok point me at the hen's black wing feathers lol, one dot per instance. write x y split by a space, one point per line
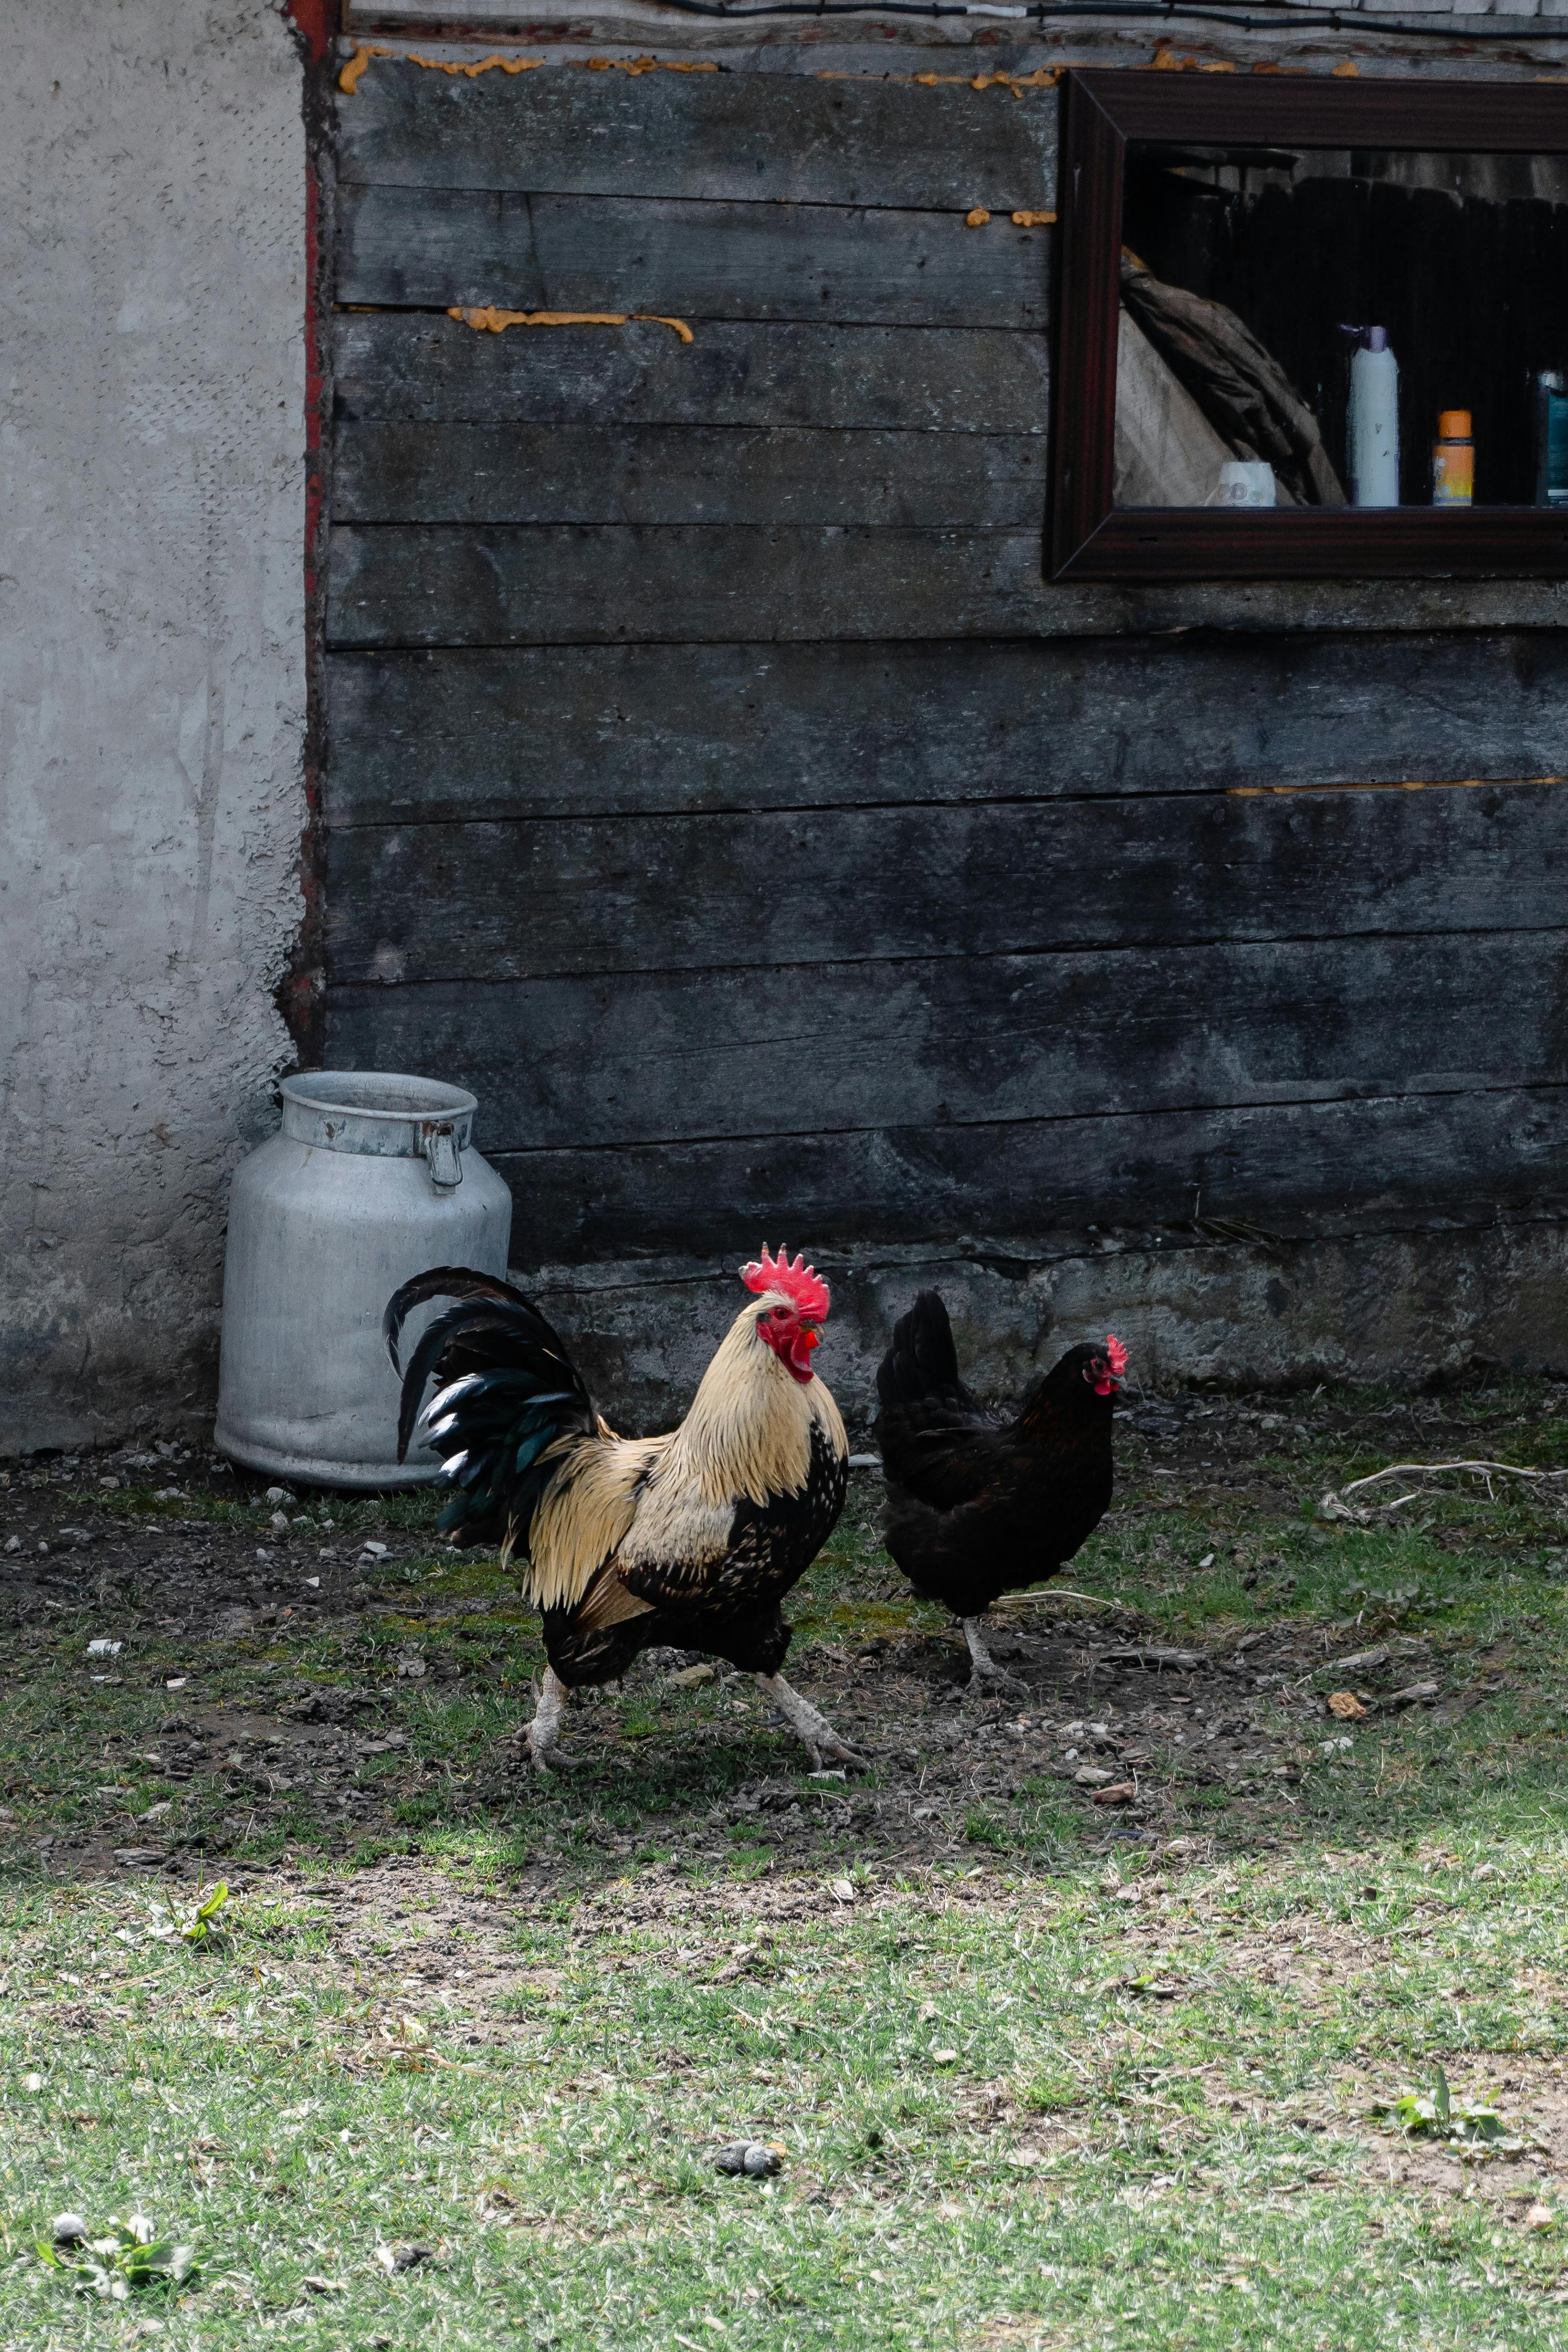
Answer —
936 1440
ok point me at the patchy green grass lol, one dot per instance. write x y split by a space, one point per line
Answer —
1041 2113
1044 2074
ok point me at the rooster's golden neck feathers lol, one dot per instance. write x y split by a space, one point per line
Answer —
748 1433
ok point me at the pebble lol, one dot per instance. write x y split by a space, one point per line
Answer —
67 2229
402 2257
756 2158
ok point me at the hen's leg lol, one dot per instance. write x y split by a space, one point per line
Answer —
984 1670
545 1729
813 1730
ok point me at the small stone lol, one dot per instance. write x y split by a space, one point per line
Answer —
278 1495
32 2082
1541 2216
314 1581
104 1648
944 2057
376 1551
1093 1776
754 2158
690 1676
1207 1560
1119 1792
841 1890
13 1543
403 2257
279 1523
67 2229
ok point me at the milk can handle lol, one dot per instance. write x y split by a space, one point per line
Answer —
445 1158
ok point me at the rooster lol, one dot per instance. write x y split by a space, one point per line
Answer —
692 1538
977 1505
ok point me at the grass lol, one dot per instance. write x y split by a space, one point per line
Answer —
1043 2077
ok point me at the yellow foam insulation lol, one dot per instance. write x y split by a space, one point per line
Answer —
1045 78
1033 220
489 320
350 78
1430 785
1165 61
977 218
635 66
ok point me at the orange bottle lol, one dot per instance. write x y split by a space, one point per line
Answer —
1453 459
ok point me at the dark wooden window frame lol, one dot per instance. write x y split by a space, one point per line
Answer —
1092 539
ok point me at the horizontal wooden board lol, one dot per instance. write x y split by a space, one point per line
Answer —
434 248
658 475
409 366
741 135
440 584
594 730
1458 1156
815 887
631 1059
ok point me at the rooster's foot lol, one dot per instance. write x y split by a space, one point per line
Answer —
985 1675
811 1728
544 1731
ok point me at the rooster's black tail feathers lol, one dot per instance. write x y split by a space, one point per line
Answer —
507 1390
922 1360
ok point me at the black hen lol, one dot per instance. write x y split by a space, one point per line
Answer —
979 1506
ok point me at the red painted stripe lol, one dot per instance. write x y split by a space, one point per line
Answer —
317 22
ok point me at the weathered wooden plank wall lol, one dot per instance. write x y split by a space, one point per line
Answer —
710 785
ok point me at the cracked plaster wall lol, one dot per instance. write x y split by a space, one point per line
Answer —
152 680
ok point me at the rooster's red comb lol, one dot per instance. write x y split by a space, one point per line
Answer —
1116 1355
799 1282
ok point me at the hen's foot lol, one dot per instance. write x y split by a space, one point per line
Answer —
544 1732
985 1675
811 1728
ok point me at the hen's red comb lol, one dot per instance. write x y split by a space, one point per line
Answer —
799 1282
1116 1354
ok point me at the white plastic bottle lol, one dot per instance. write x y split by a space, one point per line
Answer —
1374 434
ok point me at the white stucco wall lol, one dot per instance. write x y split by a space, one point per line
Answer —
151 679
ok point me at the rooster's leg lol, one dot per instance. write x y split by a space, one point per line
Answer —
984 1669
813 1730
544 1729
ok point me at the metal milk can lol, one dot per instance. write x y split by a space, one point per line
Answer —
372 1179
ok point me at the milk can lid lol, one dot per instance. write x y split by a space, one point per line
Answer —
378 1094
